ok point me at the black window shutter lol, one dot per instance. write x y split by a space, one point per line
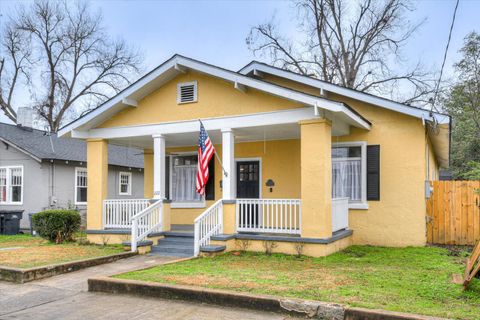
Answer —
167 177
210 187
373 172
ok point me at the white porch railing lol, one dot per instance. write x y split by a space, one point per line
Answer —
145 222
339 214
118 212
208 224
269 215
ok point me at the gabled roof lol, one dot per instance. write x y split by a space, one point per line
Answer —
260 67
242 79
179 64
440 138
41 146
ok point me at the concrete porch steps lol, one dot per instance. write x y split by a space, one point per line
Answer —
178 243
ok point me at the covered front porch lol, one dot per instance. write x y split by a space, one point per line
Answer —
273 179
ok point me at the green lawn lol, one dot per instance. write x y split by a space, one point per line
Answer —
415 280
25 251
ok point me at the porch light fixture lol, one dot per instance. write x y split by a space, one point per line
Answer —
270 183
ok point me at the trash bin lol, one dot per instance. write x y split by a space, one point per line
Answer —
10 221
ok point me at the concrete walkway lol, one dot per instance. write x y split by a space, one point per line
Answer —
66 297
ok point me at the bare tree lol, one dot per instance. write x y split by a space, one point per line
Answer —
353 45
13 65
66 57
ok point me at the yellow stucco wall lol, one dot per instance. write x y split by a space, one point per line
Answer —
398 219
110 238
308 249
148 173
97 179
291 84
216 98
316 178
280 161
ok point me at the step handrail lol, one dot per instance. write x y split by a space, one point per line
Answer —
146 221
209 223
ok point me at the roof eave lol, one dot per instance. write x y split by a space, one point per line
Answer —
173 63
362 96
20 149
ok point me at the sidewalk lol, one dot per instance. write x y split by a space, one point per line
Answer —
66 297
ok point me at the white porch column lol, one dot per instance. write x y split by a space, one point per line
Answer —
158 166
228 162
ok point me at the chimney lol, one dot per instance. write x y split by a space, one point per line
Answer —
25 118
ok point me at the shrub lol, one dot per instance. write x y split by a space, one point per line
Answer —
299 248
57 225
242 244
269 246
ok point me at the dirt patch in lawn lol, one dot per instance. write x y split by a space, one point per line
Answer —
27 252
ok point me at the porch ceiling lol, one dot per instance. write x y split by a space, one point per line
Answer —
275 125
259 133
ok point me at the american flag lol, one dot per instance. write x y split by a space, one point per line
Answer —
205 153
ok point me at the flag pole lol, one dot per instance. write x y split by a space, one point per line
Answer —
225 173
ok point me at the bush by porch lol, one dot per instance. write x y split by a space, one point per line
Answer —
415 280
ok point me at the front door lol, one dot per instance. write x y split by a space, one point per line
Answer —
248 177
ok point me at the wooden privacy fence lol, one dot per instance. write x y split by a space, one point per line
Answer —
453 213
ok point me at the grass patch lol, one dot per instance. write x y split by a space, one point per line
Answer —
19 240
25 251
415 280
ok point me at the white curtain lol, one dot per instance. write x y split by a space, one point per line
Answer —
183 184
346 179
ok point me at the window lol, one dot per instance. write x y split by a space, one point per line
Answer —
125 183
187 92
11 185
349 173
80 185
183 174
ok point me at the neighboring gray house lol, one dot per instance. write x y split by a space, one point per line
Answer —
39 171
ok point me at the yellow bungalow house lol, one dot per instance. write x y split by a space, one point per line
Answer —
305 164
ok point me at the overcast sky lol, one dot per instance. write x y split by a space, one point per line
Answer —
215 31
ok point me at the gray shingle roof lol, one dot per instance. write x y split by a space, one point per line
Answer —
39 144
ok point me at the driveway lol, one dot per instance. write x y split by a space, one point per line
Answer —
66 297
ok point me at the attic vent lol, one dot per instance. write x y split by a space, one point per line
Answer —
187 92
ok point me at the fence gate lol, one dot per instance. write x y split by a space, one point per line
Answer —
453 213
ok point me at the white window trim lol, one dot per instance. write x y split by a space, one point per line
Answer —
362 204
185 205
9 195
195 91
129 187
77 169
